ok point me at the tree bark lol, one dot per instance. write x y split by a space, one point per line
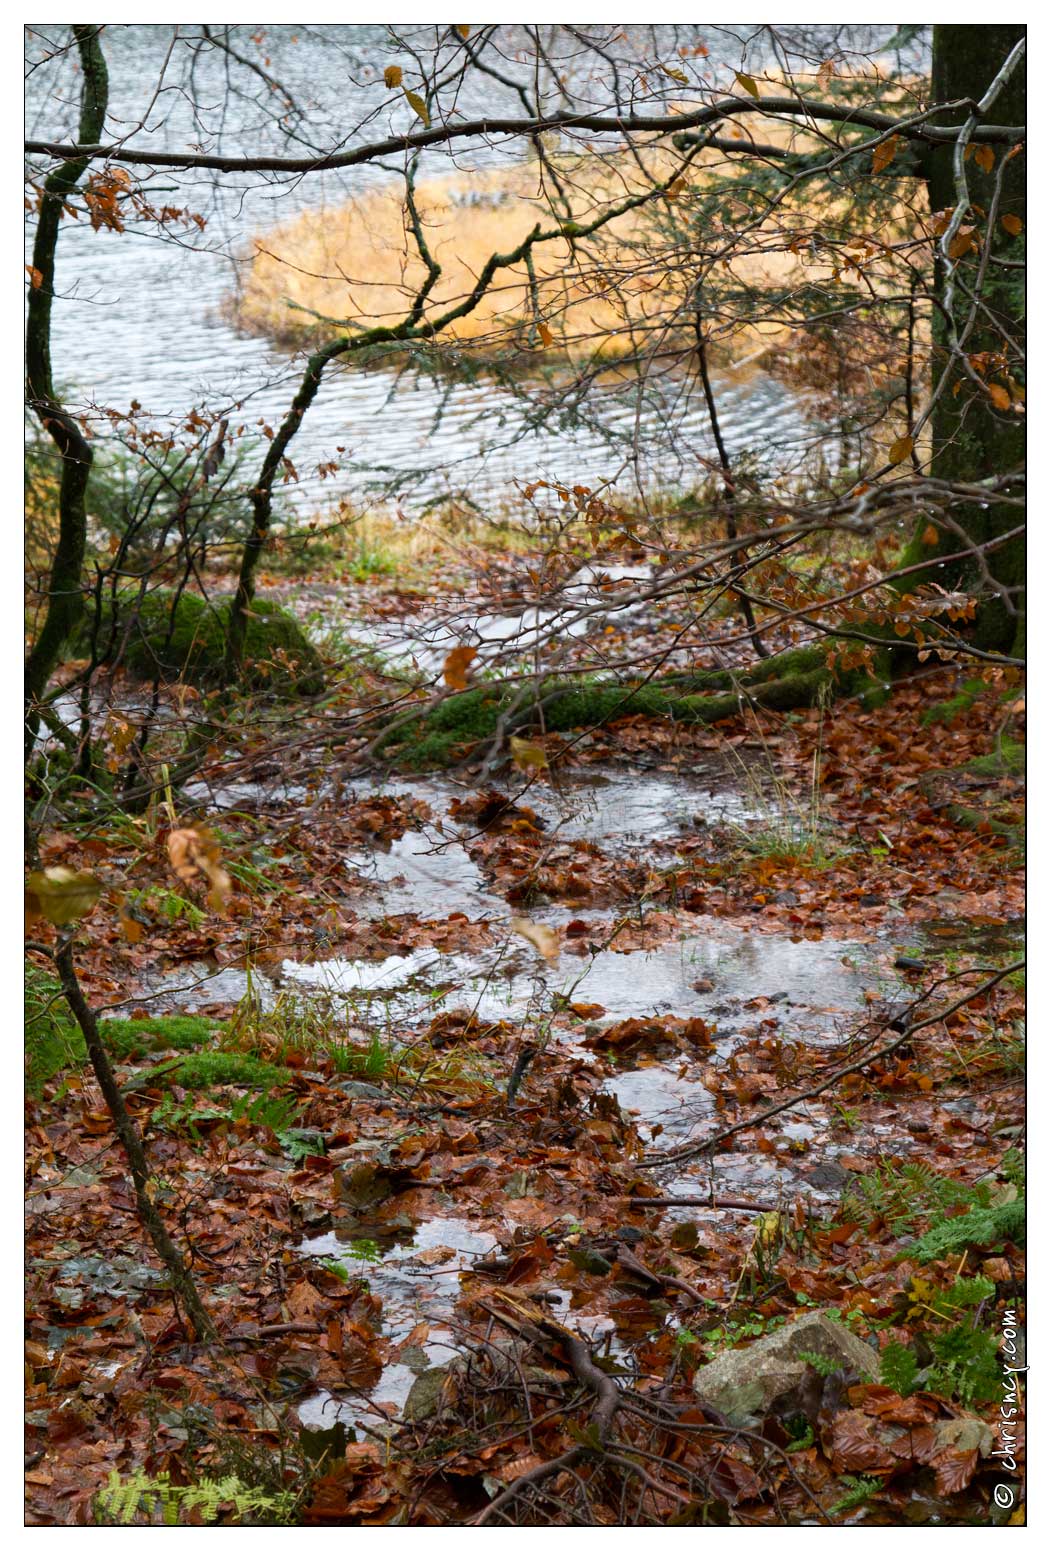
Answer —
65 601
973 438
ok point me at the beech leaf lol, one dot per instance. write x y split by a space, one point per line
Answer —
418 106
543 939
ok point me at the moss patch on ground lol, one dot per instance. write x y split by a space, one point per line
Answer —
218 1068
54 1043
184 637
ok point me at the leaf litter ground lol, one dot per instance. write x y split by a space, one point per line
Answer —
662 935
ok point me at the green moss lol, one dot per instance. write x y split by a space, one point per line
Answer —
216 1068
130 1038
52 1040
55 1044
187 639
946 711
452 728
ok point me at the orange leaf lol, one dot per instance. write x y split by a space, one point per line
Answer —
930 534
962 243
985 156
1011 224
546 337
454 671
1000 396
885 153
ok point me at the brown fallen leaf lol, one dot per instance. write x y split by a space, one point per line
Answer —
544 940
454 670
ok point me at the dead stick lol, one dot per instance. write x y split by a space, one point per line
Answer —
830 1082
182 1281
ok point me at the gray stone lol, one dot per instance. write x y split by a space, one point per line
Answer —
425 1396
744 1384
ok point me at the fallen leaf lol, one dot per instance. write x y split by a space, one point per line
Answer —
543 939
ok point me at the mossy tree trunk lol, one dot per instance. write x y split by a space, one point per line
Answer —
65 600
973 436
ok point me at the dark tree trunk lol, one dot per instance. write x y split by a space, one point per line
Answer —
65 600
973 437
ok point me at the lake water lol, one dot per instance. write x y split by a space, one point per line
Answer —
137 318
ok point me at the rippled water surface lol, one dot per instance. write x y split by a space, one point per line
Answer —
140 319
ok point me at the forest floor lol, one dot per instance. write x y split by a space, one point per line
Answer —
497 1083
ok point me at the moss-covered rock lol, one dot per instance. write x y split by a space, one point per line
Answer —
186 639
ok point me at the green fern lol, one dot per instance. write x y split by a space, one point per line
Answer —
966 1366
825 1366
903 1194
142 1497
982 1225
898 1368
860 1489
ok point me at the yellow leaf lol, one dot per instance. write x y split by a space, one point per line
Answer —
544 940
454 671
900 450
418 106
767 1228
61 895
746 83
195 852
527 755
676 75
547 339
885 153
1011 224
392 75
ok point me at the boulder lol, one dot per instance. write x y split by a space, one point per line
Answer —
745 1384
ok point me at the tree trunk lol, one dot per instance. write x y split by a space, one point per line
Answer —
65 600
974 436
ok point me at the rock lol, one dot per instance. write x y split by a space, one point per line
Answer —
743 1385
424 1398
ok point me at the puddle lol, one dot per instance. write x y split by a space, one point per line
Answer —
424 874
196 986
249 795
413 1293
975 936
812 983
618 809
659 1097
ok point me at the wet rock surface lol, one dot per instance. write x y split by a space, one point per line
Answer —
744 1385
